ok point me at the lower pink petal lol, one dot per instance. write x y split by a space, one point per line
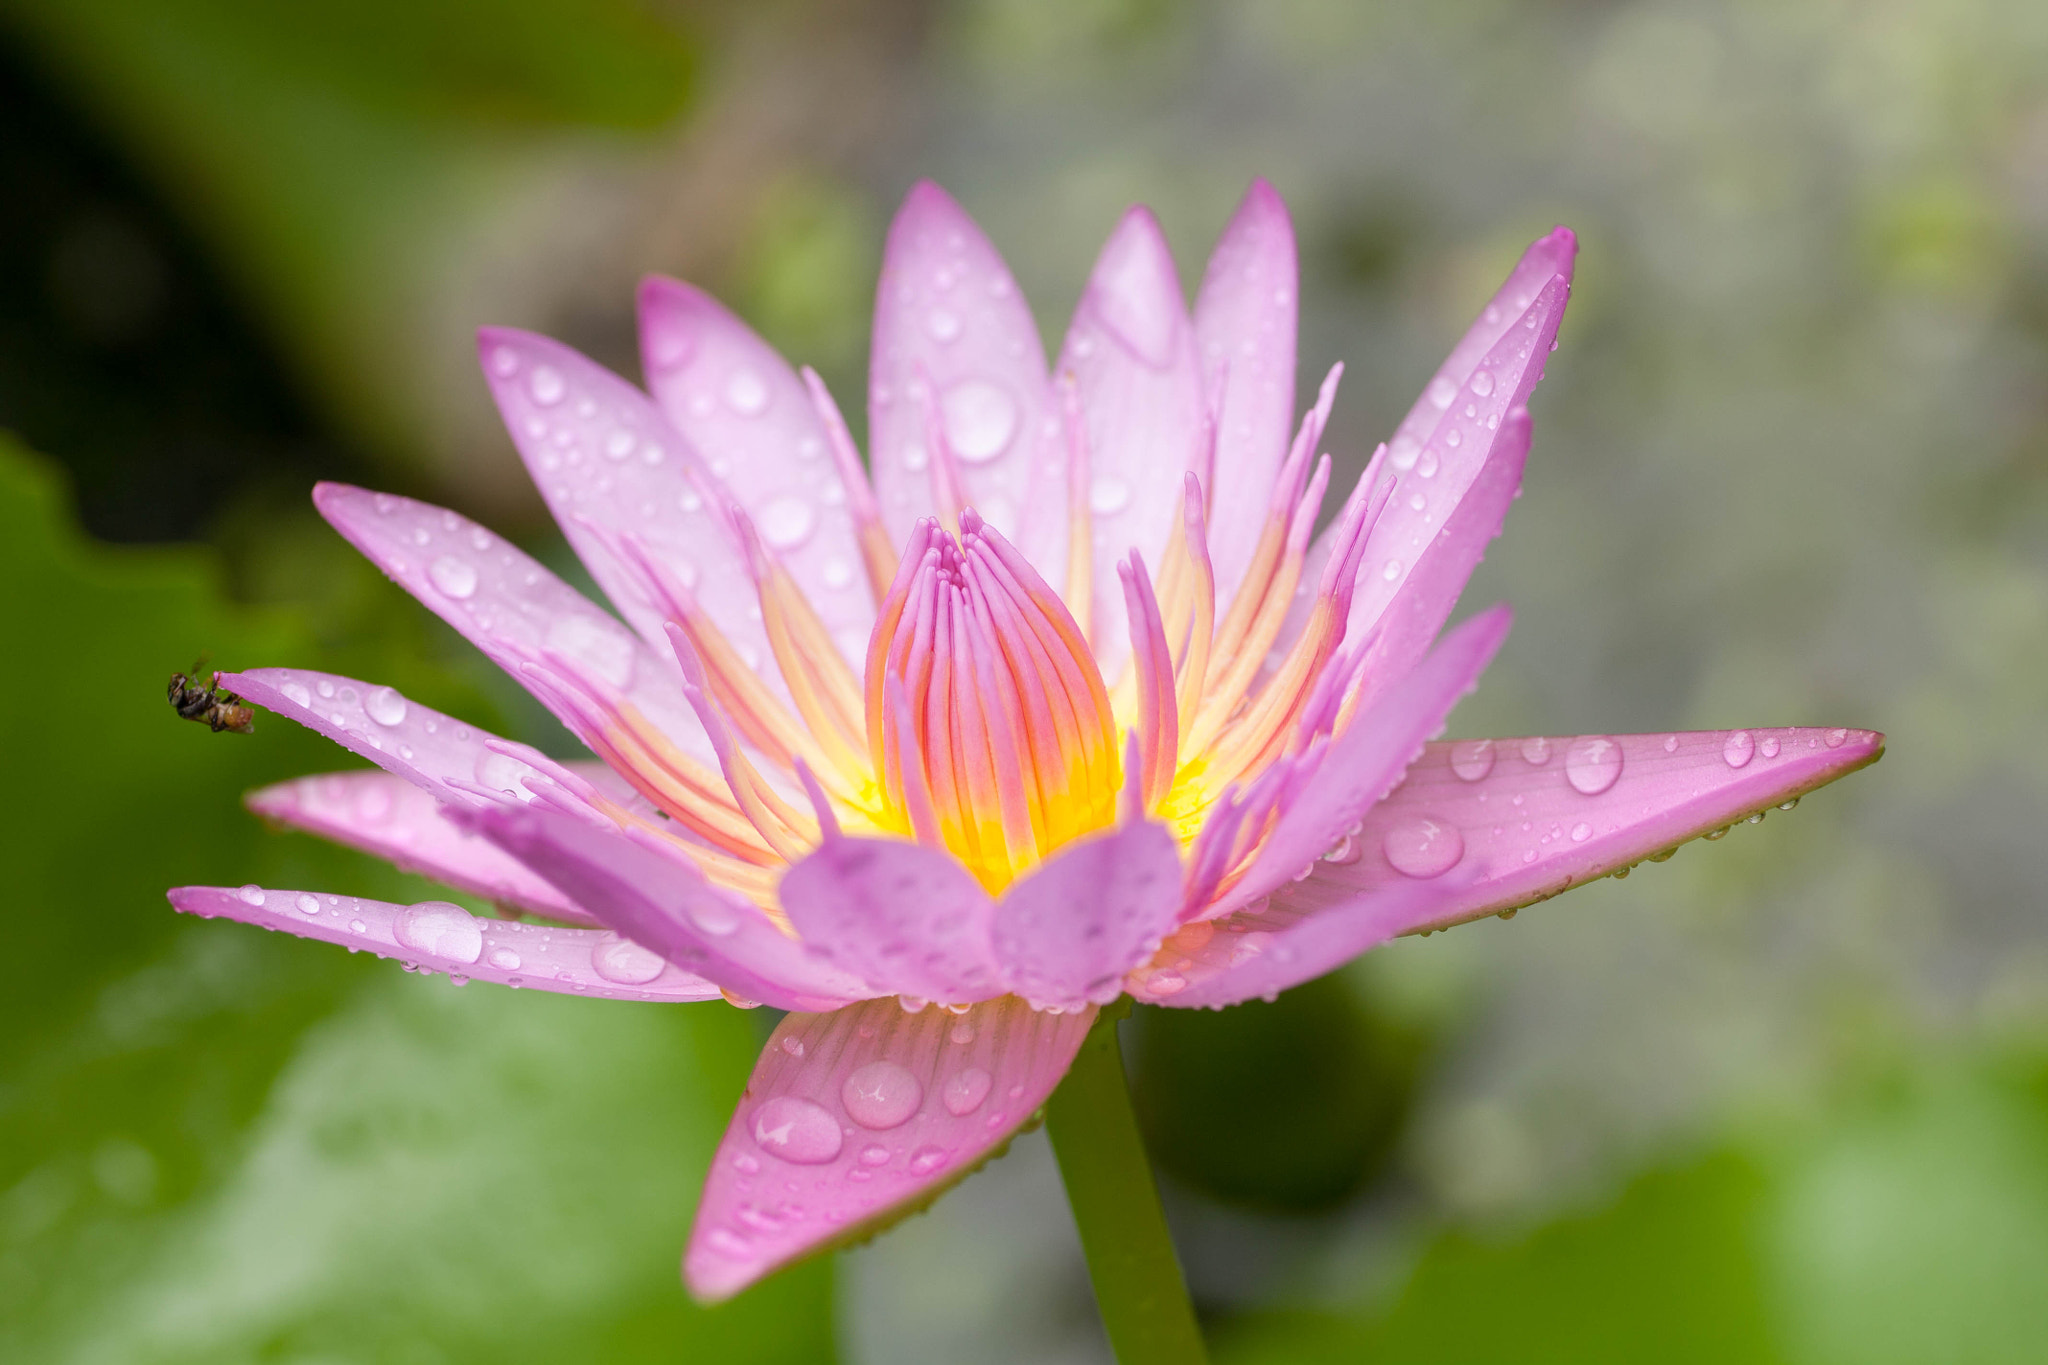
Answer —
906 919
441 936
656 899
1066 934
398 821
1528 818
855 1118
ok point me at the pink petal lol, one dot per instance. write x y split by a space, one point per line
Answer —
1131 350
1552 254
402 823
444 937
1066 934
855 1118
509 605
1429 592
1365 762
1432 479
907 919
738 401
657 899
1245 322
1532 817
947 310
611 466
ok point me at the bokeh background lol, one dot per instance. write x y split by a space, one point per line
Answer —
1783 1099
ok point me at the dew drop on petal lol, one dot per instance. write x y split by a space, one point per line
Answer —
1536 751
1671 744
745 394
1108 495
1592 764
1441 392
1738 749
296 692
1472 759
503 773
385 706
1769 747
792 1045
980 419
546 385
1482 382
619 444
251 894
787 523
927 1159
504 362
796 1130
881 1095
1581 832
874 1154
625 962
1392 571
965 1090
943 324
504 959
1837 738
711 914
307 905
1423 847
440 929
963 1033
452 577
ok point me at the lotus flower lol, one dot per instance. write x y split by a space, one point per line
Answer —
1066 703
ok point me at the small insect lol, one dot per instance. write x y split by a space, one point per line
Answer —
196 698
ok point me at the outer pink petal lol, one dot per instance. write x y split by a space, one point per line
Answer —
855 1118
1529 818
1245 323
656 899
1365 762
1553 254
1066 934
509 605
1131 350
1433 481
390 817
904 918
743 408
947 309
1415 616
441 936
611 466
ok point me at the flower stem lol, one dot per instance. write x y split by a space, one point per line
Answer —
1138 1285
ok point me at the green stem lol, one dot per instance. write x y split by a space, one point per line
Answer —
1138 1286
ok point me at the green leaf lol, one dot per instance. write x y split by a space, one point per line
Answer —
219 1144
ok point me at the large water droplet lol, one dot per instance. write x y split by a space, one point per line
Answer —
1423 847
1482 382
307 905
385 706
881 1095
745 394
546 385
965 1090
980 419
452 577
619 444
439 929
1108 495
1536 751
796 1130
1769 747
250 894
1739 748
503 773
297 692
1836 738
504 959
504 362
787 523
1592 764
625 962
1472 759
1441 392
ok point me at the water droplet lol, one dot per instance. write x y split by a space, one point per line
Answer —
619 444
745 394
503 773
943 324
440 929
1108 495
1482 382
1344 852
296 692
307 905
711 914
356 926
1769 747
796 1130
792 1045
927 1159
1593 764
452 577
881 1095
1671 744
504 959
623 961
965 1091
385 706
980 419
1423 847
963 1033
1472 759
547 386
837 573
325 687
874 1154
1837 738
1581 832
1738 749
1417 503
504 362
251 894
787 523
1441 392
745 1164
1536 751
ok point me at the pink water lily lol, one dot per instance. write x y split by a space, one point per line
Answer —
1066 702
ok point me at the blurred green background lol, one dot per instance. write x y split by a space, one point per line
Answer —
1783 1099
